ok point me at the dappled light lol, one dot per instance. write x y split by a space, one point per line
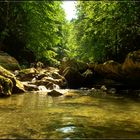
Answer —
41 116
69 69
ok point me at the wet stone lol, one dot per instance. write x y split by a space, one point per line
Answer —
54 93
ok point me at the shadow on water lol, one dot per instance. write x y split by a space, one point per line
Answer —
38 116
14 135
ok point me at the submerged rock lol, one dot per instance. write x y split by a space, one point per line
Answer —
71 94
54 93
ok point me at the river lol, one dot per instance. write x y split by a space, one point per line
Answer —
39 116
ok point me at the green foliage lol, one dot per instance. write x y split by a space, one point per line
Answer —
36 25
105 30
38 31
71 49
44 29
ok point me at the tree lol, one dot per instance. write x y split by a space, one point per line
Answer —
106 30
34 27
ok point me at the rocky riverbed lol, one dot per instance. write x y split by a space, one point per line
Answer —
110 77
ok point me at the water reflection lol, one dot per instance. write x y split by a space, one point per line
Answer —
66 129
36 115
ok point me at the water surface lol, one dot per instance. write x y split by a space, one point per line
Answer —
37 115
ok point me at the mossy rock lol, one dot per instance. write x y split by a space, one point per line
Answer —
131 65
131 68
27 74
8 62
6 86
110 70
4 72
27 71
17 85
77 65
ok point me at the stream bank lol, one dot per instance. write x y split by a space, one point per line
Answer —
110 77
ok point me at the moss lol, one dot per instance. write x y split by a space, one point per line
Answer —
17 86
132 64
5 73
6 86
27 71
10 66
8 62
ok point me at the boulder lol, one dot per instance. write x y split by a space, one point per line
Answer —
92 66
73 77
6 86
18 86
88 77
30 87
59 82
131 68
54 93
58 79
42 88
109 70
77 65
11 81
50 83
47 83
72 71
48 77
8 62
26 74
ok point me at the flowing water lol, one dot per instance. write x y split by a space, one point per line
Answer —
37 116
